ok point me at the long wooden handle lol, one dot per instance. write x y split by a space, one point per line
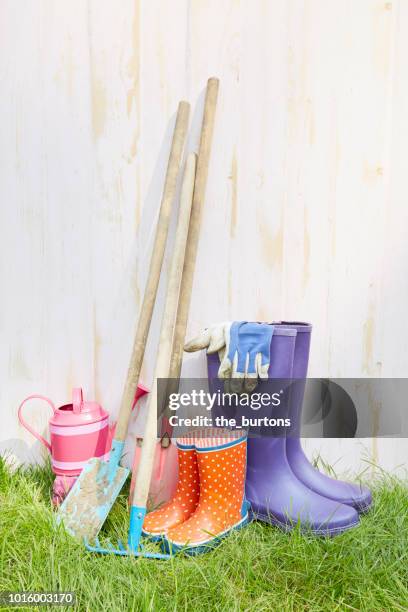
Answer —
156 261
203 160
144 472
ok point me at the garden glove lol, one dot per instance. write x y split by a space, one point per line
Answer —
244 350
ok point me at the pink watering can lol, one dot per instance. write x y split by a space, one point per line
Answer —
78 432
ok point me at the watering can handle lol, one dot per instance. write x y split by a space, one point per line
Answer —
27 426
77 400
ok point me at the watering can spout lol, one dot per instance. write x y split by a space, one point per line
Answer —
140 392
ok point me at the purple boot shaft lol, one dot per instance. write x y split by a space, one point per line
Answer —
345 492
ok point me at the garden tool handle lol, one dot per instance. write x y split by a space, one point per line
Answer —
186 288
200 184
145 468
153 278
27 426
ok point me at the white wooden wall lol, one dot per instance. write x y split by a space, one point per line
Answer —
306 210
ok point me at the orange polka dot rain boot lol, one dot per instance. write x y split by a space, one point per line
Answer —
221 458
185 500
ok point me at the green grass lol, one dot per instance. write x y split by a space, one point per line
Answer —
258 568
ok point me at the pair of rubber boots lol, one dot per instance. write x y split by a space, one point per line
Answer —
210 498
282 486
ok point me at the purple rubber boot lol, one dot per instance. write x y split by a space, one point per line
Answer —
275 493
345 492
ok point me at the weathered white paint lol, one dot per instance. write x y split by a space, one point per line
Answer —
306 205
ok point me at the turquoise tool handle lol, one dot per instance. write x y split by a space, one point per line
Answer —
137 515
114 457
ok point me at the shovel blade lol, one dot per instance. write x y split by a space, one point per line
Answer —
84 510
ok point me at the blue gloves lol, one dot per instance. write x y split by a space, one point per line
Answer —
244 350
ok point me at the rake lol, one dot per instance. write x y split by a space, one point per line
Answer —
185 244
138 509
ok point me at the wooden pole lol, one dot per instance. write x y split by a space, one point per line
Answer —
144 473
203 161
145 317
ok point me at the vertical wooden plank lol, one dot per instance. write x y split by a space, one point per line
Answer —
138 78
259 266
115 106
395 288
218 56
45 221
347 68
